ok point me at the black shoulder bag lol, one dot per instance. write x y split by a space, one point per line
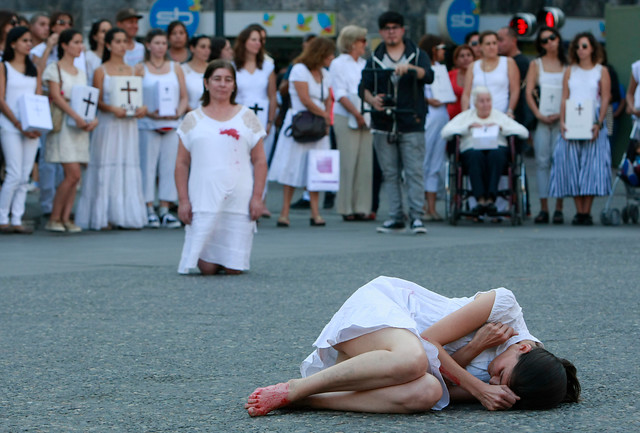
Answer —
307 127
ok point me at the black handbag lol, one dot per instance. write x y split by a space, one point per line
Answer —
307 127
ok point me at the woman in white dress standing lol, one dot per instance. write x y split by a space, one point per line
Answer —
96 43
194 69
220 174
582 168
112 190
309 83
546 70
436 118
353 136
70 145
18 76
158 138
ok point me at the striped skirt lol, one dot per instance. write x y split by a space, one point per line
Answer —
581 167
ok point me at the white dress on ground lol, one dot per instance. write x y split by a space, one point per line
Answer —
289 165
220 188
388 302
112 189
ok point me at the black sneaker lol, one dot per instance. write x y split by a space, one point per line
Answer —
301 204
417 228
391 226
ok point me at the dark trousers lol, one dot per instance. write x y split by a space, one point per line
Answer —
485 168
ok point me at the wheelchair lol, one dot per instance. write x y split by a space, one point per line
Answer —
458 185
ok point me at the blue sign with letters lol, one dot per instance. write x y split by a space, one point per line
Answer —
164 11
462 18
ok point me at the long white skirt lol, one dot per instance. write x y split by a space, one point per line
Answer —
217 237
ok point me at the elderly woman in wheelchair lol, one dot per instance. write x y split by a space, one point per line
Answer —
483 147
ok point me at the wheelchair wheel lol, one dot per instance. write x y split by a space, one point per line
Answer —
522 203
514 215
634 213
610 217
454 215
447 191
625 214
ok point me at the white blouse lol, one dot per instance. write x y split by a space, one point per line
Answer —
346 74
300 72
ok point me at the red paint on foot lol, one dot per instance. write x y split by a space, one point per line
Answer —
449 376
264 400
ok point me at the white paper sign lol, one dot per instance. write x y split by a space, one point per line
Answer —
578 119
441 87
357 102
84 101
550 98
126 92
485 137
323 170
164 98
34 113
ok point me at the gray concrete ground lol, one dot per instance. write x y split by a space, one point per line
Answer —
99 333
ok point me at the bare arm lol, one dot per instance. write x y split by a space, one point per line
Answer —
514 85
605 98
302 88
56 96
183 162
565 96
6 110
273 101
466 93
98 83
259 162
184 96
631 90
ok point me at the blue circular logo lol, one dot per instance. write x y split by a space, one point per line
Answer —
164 11
462 18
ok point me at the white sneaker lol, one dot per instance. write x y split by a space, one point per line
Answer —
170 222
417 228
153 221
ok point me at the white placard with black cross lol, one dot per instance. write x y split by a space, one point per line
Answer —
126 92
84 101
550 98
578 119
34 113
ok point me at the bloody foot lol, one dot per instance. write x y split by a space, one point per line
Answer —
264 400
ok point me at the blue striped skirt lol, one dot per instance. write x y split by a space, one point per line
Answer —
581 167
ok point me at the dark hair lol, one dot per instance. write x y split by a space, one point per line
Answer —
487 33
149 37
240 50
95 28
56 16
428 42
540 49
5 18
211 68
596 54
193 42
469 35
390 17
543 381
318 49
217 44
9 54
173 25
108 38
65 38
35 17
461 48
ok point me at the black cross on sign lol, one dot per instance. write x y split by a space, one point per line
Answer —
551 97
256 108
128 89
38 107
579 109
89 104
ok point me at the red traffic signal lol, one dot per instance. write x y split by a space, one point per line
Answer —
551 17
524 24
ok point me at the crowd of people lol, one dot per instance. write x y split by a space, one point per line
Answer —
382 114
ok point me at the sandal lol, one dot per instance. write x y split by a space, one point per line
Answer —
558 218
542 218
282 222
317 222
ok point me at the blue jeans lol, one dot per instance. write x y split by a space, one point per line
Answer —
407 155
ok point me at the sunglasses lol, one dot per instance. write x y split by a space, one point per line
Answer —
544 41
441 47
474 43
583 46
64 22
14 22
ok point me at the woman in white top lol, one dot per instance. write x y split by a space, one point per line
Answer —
96 43
546 72
194 69
388 347
220 174
309 83
436 118
353 136
18 76
498 73
70 145
112 188
582 168
158 138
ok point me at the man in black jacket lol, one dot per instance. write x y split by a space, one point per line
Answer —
393 83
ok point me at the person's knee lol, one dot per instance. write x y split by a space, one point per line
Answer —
423 394
410 365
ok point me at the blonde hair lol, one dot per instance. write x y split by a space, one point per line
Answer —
349 36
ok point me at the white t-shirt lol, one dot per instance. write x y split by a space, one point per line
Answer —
300 72
79 62
221 172
136 55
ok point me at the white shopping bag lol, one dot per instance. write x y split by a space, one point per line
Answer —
323 170
579 118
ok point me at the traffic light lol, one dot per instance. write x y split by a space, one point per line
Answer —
524 24
551 17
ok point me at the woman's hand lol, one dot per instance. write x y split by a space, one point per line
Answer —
91 125
80 123
595 129
434 102
492 334
31 134
496 397
362 124
119 112
184 212
256 208
563 129
140 112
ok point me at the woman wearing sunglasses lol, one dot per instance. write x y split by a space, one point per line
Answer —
582 168
8 20
546 72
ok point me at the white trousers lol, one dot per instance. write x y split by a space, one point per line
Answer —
19 154
158 153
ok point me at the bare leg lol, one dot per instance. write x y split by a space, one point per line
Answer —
559 204
287 195
544 206
208 268
383 358
431 202
314 199
65 191
587 202
74 173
